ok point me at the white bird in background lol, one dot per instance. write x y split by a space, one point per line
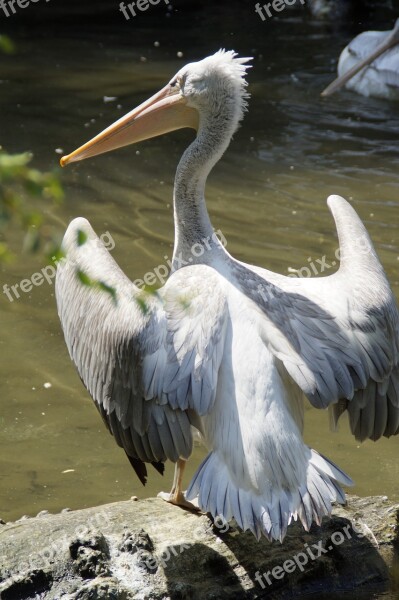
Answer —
228 347
369 65
322 9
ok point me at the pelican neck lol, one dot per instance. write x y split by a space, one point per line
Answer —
192 222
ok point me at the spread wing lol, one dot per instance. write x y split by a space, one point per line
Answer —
337 336
149 361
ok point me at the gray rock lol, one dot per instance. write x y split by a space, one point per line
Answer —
90 555
151 550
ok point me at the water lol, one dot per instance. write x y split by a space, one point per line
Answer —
267 196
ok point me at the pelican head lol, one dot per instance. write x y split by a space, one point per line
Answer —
199 91
217 79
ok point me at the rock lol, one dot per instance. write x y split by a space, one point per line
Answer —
90 555
133 542
151 550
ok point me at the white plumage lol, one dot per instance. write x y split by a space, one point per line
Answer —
369 65
231 348
320 8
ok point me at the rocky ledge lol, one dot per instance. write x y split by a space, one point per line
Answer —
151 550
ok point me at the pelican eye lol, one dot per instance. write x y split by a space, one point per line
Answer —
178 82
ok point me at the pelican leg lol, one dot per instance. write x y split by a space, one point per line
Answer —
176 495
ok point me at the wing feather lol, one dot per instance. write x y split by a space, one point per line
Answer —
337 336
150 369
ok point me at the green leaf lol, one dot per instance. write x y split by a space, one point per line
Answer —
5 254
31 241
32 219
184 301
85 279
151 290
6 44
56 255
34 188
54 189
142 304
22 190
81 237
12 161
110 290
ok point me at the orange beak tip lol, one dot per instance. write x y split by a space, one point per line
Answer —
63 161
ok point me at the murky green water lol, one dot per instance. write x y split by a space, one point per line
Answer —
267 196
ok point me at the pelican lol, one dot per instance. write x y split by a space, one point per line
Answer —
328 9
226 347
369 65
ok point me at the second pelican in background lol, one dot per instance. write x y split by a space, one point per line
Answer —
369 65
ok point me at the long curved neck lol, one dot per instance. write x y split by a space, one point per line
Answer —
192 223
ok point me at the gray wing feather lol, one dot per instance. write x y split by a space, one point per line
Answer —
337 336
150 371
196 311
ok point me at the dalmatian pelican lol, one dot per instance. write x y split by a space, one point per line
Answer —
226 347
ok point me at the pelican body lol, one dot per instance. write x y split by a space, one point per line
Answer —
227 347
369 65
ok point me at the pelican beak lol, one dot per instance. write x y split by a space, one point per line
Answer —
389 43
165 111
